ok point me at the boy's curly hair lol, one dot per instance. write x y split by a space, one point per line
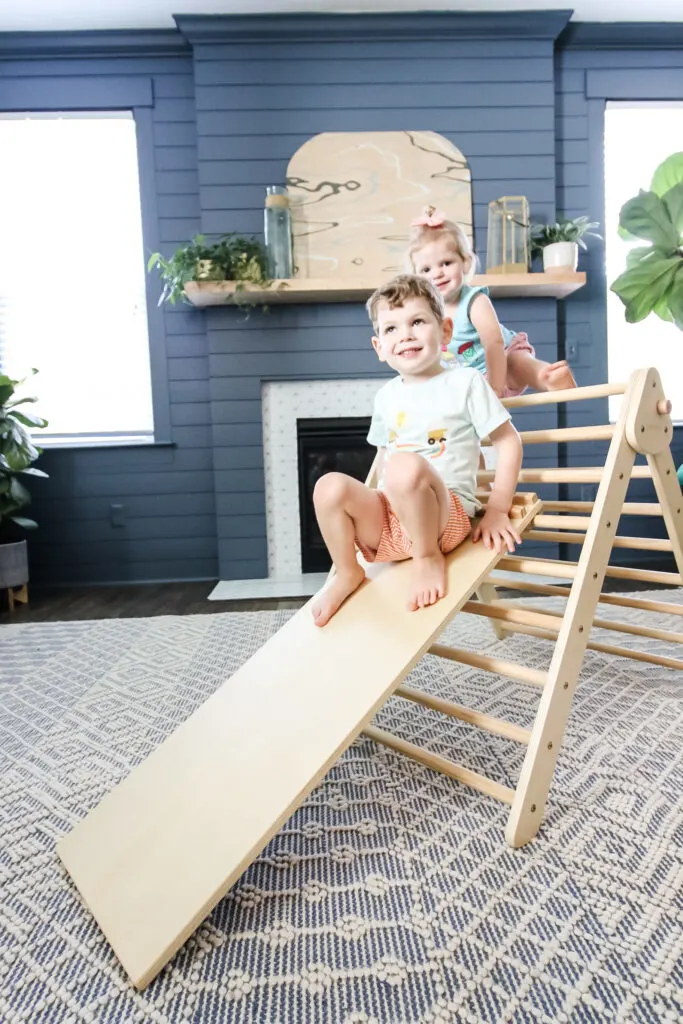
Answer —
400 290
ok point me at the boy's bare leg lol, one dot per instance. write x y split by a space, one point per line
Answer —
525 371
345 509
421 501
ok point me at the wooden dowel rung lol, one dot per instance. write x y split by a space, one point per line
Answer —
555 567
565 475
629 508
441 764
510 669
562 522
594 645
632 543
660 607
564 435
567 395
446 707
667 636
507 613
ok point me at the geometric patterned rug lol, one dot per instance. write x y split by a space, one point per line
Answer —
391 896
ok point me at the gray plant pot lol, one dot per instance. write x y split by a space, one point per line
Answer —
13 565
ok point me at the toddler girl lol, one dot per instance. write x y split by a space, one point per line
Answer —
440 250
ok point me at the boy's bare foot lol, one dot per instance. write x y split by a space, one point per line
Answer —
333 596
428 583
557 376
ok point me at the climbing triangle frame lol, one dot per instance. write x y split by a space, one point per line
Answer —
159 851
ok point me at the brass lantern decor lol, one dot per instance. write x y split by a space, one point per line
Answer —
507 247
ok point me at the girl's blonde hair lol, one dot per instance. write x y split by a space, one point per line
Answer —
432 226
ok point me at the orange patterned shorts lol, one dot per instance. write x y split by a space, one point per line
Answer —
395 544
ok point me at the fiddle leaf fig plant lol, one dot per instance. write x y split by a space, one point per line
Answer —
653 279
17 455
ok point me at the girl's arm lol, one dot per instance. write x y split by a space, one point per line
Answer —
485 322
495 528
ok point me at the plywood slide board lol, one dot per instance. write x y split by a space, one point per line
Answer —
157 854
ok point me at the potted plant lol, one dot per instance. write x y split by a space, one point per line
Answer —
232 258
653 279
559 243
17 455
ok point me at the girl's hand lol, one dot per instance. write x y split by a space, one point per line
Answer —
497 532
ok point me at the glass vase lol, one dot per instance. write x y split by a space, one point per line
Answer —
278 232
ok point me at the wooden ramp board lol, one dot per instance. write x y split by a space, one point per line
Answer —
157 854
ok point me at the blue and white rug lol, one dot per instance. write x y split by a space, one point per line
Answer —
391 896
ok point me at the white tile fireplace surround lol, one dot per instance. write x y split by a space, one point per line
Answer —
283 402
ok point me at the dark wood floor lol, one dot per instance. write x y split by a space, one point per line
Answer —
59 604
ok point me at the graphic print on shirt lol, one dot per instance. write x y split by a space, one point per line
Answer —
436 439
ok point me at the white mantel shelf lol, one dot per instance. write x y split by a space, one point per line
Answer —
307 290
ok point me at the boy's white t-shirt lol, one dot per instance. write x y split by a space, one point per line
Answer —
442 419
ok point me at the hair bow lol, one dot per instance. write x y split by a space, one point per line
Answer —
431 218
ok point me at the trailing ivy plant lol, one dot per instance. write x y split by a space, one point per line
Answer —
562 231
653 279
232 257
17 455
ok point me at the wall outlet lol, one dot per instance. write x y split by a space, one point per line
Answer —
117 515
572 350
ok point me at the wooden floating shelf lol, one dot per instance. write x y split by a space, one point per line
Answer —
306 290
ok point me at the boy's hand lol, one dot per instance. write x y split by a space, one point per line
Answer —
497 532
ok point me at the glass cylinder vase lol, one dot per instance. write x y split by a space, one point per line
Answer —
278 232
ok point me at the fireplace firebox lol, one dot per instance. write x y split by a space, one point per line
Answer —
325 446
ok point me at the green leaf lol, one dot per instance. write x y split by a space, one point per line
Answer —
661 308
28 524
18 492
676 298
29 420
668 174
19 401
641 252
646 216
673 200
642 286
32 471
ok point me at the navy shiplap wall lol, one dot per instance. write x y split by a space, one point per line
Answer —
636 73
257 102
169 530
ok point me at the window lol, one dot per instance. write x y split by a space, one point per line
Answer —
638 136
72 273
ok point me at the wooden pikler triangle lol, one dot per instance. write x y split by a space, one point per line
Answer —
159 851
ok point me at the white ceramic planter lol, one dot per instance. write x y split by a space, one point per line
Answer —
560 256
